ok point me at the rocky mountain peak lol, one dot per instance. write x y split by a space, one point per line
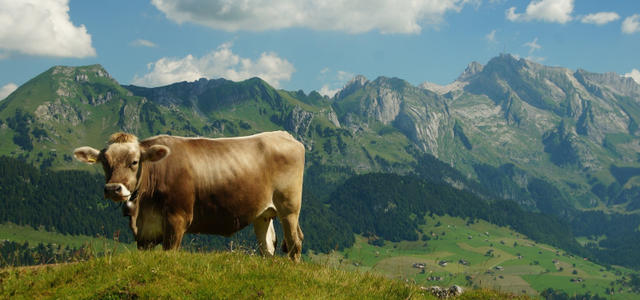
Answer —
80 73
504 63
359 80
610 80
472 69
391 82
353 85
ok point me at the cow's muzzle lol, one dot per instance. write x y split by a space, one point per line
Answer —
116 192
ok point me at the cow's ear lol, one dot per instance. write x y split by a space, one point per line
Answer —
86 154
155 153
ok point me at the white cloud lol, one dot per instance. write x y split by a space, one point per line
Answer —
344 76
553 11
143 43
512 15
491 36
221 62
354 16
635 74
42 28
333 82
533 45
600 18
326 91
631 24
7 89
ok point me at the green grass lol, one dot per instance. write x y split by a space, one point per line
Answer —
527 267
584 240
391 147
226 275
6 136
294 101
563 282
179 274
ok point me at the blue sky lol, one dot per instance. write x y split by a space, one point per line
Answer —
311 45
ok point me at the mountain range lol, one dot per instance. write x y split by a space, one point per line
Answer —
504 127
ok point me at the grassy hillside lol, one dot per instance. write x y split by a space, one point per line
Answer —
20 234
181 275
497 258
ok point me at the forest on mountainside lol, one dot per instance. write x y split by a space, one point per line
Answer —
385 206
68 202
25 254
71 202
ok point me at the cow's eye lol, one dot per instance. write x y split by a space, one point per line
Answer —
134 163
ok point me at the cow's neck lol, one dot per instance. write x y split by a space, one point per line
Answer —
132 206
144 219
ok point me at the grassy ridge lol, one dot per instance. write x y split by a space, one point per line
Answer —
20 234
180 275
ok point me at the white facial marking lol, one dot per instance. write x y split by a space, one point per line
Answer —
124 192
124 147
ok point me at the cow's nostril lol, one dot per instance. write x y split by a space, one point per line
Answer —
112 187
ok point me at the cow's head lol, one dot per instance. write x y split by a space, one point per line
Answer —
122 161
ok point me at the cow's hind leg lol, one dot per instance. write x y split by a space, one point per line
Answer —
265 233
288 207
300 236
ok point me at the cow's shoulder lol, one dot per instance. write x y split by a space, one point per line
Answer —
162 139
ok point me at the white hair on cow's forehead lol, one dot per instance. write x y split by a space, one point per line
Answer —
122 137
130 149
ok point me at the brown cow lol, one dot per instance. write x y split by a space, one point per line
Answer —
172 185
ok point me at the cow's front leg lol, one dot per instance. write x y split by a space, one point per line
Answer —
146 244
175 225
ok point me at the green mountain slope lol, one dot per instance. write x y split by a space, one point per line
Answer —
553 140
55 103
65 107
567 127
574 130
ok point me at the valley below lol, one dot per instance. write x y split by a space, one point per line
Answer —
482 255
